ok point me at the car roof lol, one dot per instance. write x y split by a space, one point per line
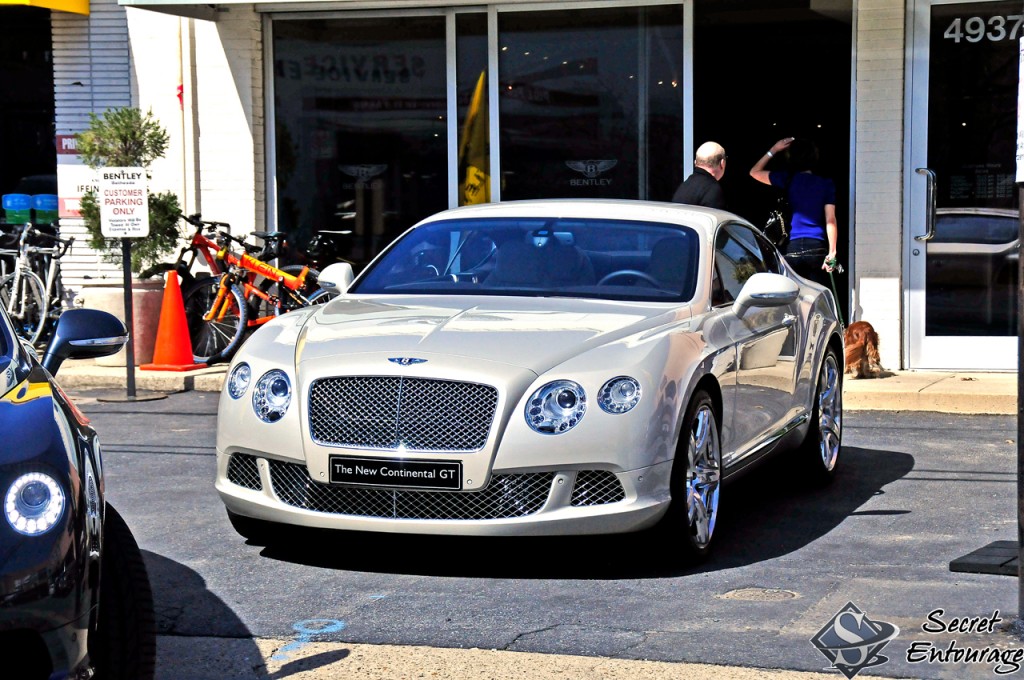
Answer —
695 217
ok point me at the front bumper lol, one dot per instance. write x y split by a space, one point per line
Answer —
532 502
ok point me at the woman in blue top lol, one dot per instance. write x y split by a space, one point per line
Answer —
812 200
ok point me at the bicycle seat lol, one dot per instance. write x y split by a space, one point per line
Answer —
269 235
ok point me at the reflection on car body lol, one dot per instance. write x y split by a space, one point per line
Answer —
557 367
971 274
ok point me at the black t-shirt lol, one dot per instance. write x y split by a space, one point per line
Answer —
700 188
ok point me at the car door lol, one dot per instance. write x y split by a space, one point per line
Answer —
766 340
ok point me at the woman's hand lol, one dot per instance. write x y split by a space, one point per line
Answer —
782 145
830 263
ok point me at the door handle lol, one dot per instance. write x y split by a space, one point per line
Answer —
929 199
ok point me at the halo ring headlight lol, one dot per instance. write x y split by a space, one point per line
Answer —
34 503
619 395
556 407
238 381
272 395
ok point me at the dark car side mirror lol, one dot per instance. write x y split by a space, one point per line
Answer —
84 334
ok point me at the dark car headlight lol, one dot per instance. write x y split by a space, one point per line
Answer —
34 503
556 407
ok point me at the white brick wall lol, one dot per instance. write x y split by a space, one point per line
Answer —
879 172
229 101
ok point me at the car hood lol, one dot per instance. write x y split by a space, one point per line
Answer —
531 333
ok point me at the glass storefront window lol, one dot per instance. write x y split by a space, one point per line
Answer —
591 102
361 129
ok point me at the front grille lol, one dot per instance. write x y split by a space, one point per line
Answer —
506 496
380 412
596 487
242 470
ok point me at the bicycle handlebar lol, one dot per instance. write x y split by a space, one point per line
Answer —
197 221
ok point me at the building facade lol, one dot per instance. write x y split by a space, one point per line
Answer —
359 118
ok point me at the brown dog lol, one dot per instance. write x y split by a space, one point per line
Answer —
862 350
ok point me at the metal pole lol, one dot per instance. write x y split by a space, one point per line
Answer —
1020 333
126 258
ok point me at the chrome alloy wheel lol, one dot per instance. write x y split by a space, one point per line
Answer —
703 475
830 412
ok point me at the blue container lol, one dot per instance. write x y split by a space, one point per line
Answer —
45 207
17 208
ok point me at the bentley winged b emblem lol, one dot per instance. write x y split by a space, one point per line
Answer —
591 169
406 361
363 173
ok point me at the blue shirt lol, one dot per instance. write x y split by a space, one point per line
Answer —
808 195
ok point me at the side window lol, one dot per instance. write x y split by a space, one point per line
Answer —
737 258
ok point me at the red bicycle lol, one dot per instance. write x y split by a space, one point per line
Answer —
243 290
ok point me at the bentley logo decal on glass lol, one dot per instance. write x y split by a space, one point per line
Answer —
406 361
363 172
592 170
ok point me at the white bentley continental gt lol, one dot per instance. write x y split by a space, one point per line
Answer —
535 368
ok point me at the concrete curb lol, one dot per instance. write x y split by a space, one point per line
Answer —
301 660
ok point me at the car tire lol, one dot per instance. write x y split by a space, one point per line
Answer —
696 482
255 531
123 646
821 447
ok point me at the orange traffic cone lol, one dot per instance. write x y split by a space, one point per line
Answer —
173 350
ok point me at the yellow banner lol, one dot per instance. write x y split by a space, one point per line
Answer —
474 152
75 6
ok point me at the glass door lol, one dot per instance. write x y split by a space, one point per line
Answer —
961 244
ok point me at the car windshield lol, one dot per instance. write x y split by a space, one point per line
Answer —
589 258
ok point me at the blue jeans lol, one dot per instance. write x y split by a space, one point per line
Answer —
806 256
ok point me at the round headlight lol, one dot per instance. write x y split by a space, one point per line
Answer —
34 503
238 381
272 396
556 407
619 395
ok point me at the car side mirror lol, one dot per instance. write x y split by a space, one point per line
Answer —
336 278
765 290
84 334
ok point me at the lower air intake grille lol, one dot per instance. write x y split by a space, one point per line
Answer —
507 496
242 470
597 487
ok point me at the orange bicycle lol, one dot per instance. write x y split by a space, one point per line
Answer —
244 291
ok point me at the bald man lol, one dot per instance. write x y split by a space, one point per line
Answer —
702 187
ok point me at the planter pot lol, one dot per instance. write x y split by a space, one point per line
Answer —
147 297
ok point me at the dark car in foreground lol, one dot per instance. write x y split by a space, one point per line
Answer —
75 600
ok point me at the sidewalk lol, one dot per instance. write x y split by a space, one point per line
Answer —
938 391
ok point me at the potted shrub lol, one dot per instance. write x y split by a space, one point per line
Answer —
127 137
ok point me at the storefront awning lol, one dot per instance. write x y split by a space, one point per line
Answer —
75 6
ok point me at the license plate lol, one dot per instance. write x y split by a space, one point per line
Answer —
416 474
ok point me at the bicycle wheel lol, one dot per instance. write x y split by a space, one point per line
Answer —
28 311
217 339
290 300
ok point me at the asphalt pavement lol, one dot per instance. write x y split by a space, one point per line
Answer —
306 654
